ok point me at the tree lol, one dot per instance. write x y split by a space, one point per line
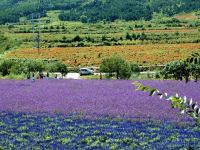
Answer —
58 67
177 70
135 69
18 68
194 61
35 66
128 36
84 19
116 65
195 71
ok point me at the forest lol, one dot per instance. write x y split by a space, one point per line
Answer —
94 10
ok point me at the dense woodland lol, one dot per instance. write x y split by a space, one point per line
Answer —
94 10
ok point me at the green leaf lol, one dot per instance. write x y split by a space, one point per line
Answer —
152 92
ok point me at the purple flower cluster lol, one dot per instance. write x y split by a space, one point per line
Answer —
116 98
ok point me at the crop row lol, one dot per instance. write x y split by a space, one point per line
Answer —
46 131
142 54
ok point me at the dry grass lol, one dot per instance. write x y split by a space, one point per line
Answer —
188 16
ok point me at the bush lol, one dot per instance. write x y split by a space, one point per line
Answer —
58 67
5 67
128 36
21 67
134 67
18 68
116 65
77 39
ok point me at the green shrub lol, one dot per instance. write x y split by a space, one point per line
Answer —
18 68
116 65
128 36
77 39
5 67
58 67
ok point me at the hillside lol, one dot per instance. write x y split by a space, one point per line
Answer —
94 10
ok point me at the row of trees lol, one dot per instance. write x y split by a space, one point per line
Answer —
178 70
26 67
114 66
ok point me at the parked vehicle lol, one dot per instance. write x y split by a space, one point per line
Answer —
86 71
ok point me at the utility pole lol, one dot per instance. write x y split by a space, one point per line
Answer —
38 38
37 29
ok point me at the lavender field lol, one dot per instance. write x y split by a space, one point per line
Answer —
94 114
93 98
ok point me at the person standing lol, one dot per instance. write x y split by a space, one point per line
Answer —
33 77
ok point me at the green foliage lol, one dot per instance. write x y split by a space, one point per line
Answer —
15 68
65 140
116 65
194 58
181 103
127 9
7 43
177 70
12 10
134 67
94 10
18 68
83 19
195 71
35 66
5 67
128 36
58 67
77 39
186 69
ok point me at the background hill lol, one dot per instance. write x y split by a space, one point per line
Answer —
94 10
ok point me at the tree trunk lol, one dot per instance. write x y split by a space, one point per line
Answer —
117 75
196 79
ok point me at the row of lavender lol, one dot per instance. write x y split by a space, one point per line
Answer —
56 131
93 98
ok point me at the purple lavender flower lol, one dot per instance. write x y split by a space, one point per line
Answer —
93 97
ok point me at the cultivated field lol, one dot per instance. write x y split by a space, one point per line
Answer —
93 115
53 113
92 56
